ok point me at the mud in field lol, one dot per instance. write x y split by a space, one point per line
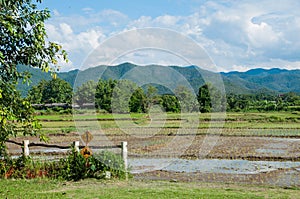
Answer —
187 146
282 178
201 146
285 174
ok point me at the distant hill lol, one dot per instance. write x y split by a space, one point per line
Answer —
258 80
275 79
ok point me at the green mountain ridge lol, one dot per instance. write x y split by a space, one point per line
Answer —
272 81
275 79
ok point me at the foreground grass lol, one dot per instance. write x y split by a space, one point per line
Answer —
43 188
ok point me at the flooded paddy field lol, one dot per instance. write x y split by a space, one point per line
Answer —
284 174
242 159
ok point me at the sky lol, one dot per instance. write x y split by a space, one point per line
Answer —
237 35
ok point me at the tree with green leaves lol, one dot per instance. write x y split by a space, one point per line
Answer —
210 99
122 93
188 102
137 103
57 91
204 99
23 42
170 103
103 95
52 91
120 96
35 94
151 97
85 93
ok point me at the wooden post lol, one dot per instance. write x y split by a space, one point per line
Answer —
76 145
124 156
25 148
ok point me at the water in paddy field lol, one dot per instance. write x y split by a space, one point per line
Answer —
209 165
288 173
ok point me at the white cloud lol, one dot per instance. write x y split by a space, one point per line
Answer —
56 13
273 63
237 35
87 10
78 45
151 56
65 29
249 33
279 63
149 46
167 20
143 21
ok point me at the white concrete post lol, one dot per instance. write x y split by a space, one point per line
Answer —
124 156
25 148
76 145
107 175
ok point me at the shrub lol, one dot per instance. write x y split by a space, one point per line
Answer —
76 167
107 161
73 167
23 167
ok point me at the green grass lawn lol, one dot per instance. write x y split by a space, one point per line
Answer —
43 188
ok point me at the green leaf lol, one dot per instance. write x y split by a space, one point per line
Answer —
93 167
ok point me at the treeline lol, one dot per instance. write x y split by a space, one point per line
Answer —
123 96
263 102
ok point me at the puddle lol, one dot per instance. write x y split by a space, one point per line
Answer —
280 139
52 150
286 179
279 147
272 151
139 165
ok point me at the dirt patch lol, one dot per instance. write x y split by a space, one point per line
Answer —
225 147
186 146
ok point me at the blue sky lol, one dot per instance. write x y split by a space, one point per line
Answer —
237 35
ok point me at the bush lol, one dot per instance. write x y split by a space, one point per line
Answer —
107 161
76 167
73 167
23 167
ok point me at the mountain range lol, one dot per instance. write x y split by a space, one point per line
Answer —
271 81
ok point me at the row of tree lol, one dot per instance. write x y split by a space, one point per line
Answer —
124 96
263 102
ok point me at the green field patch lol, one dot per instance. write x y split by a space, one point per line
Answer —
283 123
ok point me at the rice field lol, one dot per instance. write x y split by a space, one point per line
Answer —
254 137
245 124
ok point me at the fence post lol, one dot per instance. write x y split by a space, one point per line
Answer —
25 148
76 145
124 156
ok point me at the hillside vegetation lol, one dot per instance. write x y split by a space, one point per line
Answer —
273 81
